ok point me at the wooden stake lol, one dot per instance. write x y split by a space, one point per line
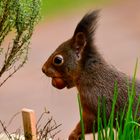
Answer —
29 123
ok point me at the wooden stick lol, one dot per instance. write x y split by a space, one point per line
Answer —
29 124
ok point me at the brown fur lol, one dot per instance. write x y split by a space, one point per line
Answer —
84 68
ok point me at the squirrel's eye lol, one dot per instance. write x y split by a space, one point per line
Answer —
58 60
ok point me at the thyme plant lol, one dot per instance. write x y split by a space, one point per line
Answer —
18 17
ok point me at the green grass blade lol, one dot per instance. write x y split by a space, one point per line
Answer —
137 107
105 119
81 117
99 120
111 119
94 130
129 116
134 78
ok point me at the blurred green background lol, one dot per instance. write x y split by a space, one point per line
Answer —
51 8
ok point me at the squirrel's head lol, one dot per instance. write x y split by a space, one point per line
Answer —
65 64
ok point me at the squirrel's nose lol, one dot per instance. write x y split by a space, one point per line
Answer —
43 69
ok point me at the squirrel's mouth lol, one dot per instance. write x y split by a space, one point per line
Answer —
58 82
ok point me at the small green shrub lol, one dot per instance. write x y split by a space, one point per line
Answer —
18 17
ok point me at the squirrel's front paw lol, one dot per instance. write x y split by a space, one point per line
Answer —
74 136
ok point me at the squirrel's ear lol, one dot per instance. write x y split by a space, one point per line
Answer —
79 43
80 39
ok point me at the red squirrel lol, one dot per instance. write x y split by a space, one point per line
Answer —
78 63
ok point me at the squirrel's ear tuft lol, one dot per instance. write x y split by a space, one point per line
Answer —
87 25
84 32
